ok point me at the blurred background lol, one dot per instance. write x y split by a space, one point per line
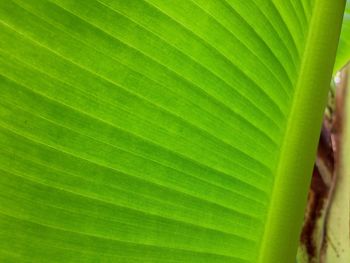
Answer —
325 237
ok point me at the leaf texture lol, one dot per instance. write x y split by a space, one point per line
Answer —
159 131
343 53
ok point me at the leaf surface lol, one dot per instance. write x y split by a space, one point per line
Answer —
343 53
160 131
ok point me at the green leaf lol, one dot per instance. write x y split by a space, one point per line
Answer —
343 53
160 131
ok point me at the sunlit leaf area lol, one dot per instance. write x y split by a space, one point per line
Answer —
174 131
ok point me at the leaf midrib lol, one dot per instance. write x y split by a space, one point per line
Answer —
303 124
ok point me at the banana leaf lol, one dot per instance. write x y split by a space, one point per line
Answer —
158 130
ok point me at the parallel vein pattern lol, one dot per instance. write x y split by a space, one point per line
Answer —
143 131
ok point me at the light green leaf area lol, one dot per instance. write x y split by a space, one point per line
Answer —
343 53
158 130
